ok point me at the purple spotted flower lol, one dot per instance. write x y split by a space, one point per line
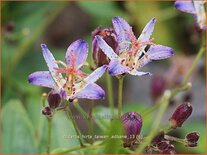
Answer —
195 7
74 83
131 54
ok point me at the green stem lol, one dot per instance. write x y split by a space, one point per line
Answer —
49 135
171 138
69 114
110 92
88 117
156 124
90 122
198 56
80 109
120 90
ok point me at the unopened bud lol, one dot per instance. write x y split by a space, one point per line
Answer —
180 115
192 139
169 150
47 111
158 138
132 123
54 99
163 145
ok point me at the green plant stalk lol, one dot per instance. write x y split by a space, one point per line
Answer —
90 122
88 117
198 56
69 114
80 109
49 121
156 124
120 91
171 138
110 92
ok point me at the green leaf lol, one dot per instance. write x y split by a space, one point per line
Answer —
113 143
17 131
102 117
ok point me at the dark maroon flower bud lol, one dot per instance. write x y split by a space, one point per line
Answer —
169 150
180 115
163 145
157 87
47 111
109 37
158 138
132 123
54 99
192 144
192 139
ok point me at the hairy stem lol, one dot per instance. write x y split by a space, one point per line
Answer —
120 90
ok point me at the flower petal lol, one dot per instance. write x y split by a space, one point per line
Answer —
124 33
52 65
138 73
185 6
158 52
106 48
115 68
143 61
77 53
95 75
147 31
42 78
91 91
200 14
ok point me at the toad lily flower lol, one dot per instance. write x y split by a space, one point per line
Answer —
74 83
131 51
196 8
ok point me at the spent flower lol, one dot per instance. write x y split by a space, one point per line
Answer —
131 54
75 83
109 37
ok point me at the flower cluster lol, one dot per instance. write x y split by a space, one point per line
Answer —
118 51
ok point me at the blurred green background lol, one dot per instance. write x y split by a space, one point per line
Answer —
25 25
